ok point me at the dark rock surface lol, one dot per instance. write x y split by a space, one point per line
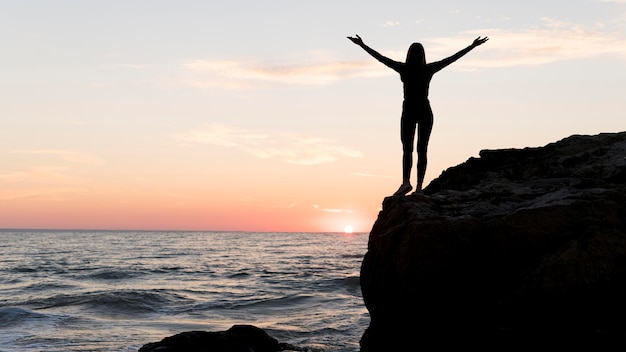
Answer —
520 248
239 338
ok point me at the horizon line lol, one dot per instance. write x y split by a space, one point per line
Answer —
20 229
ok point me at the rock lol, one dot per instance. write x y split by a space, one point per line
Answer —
239 338
517 248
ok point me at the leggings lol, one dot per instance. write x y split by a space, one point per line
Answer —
421 115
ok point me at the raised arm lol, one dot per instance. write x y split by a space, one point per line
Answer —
385 60
447 61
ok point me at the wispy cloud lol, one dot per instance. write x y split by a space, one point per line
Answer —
233 74
40 183
67 155
332 210
391 23
553 42
40 175
45 194
47 183
292 148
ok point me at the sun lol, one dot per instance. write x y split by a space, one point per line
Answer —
348 229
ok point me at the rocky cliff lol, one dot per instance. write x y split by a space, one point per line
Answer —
518 248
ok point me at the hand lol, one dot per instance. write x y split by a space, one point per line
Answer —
478 41
357 40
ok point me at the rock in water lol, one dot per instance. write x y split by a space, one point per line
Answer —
516 249
239 338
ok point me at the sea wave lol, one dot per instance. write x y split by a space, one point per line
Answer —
10 316
349 281
48 286
113 274
278 303
115 302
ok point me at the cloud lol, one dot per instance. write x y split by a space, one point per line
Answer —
67 155
40 175
553 42
47 194
292 148
224 136
51 184
391 23
234 74
332 210
40 183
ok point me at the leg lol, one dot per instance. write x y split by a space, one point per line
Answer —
407 136
425 126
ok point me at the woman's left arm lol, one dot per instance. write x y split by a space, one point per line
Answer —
447 61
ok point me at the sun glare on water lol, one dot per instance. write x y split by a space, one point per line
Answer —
348 229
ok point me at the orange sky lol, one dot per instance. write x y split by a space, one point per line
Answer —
209 115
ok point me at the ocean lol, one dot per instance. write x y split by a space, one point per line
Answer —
118 290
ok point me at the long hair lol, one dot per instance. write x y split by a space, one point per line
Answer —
415 56
415 62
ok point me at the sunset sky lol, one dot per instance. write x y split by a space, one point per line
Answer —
261 116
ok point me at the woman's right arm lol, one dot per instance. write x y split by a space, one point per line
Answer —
385 60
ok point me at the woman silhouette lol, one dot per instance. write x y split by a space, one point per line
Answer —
415 75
